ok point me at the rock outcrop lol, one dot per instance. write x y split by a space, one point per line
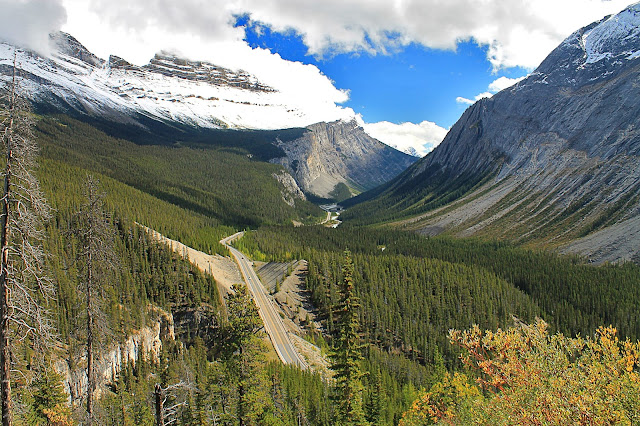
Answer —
146 342
341 152
290 189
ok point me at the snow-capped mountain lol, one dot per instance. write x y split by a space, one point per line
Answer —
169 89
553 160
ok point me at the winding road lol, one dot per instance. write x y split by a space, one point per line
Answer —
272 322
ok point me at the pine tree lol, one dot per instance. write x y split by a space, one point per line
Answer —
347 354
24 288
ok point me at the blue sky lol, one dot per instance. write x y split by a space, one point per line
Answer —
414 83
406 69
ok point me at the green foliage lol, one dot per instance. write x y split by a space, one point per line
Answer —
574 297
47 400
214 181
347 355
340 192
409 303
406 196
243 360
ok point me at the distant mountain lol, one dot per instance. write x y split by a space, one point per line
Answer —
334 160
168 89
553 161
173 99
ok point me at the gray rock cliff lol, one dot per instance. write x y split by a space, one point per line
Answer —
341 152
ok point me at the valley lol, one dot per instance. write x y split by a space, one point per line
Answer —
203 249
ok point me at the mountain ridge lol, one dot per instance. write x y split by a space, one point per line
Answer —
340 152
548 161
168 89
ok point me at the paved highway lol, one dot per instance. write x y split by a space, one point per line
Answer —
272 322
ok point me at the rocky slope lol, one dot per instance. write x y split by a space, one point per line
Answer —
168 89
149 339
552 161
329 154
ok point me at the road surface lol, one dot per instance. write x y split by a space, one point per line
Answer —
272 322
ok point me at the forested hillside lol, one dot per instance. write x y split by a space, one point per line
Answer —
218 181
409 282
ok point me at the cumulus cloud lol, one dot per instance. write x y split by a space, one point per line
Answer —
516 32
467 101
27 23
502 83
417 139
464 101
495 86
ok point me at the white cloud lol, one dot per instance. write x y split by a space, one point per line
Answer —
502 83
408 137
494 87
516 32
27 23
138 30
465 101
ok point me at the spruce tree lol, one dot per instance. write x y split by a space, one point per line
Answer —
245 358
347 355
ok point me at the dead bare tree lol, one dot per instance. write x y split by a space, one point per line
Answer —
97 260
24 288
177 395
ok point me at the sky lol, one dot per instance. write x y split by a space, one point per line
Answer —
405 69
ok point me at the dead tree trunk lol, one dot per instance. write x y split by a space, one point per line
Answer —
159 402
23 285
91 377
5 349
97 261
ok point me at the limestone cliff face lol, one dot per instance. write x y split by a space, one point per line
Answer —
563 147
341 152
146 342
290 190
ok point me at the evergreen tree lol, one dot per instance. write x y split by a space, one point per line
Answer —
48 400
245 358
347 354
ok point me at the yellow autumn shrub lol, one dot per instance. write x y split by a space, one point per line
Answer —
529 377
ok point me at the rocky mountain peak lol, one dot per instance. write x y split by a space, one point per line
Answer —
597 51
116 62
555 157
341 152
67 44
614 37
169 89
173 66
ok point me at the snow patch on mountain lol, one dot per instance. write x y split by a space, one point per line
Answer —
604 40
167 89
